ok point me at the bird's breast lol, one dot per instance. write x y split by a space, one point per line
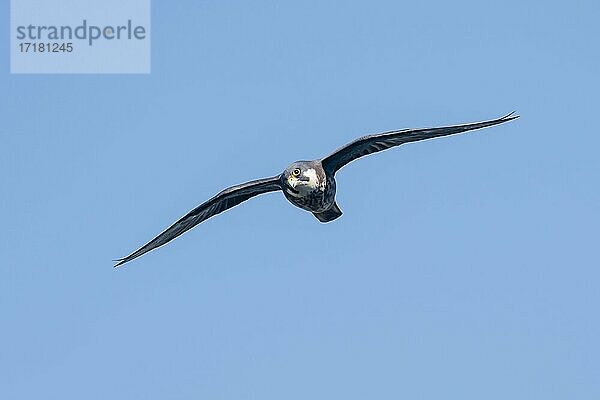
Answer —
313 198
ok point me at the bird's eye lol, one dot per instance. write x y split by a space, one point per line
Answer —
296 172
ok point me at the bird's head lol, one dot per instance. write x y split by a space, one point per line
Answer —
300 177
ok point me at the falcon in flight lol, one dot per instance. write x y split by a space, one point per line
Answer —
309 185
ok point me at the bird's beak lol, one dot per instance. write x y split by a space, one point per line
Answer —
292 182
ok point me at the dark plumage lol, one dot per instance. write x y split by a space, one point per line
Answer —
309 185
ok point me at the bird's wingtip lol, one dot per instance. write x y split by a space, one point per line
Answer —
510 116
119 262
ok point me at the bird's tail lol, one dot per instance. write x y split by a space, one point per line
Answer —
329 215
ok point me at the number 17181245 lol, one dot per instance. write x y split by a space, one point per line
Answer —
40 47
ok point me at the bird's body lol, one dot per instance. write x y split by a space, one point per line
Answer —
313 189
309 185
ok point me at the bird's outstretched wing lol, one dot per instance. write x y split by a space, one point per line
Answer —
373 143
226 199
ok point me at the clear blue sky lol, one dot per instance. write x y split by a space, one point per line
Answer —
464 267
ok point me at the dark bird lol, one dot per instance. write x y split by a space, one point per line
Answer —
309 185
